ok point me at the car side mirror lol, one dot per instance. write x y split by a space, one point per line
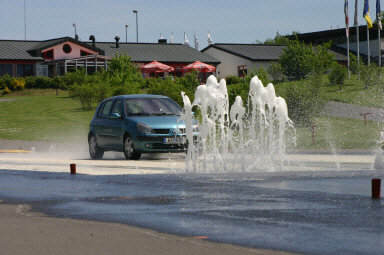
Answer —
115 116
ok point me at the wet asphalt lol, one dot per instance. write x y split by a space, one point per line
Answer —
317 212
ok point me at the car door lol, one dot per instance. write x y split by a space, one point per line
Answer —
115 123
101 124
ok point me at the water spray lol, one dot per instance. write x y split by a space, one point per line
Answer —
237 138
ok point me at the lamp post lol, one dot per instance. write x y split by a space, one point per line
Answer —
137 26
126 32
74 26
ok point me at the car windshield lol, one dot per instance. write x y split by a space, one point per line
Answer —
151 106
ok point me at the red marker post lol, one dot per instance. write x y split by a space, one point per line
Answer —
365 117
313 126
376 184
73 168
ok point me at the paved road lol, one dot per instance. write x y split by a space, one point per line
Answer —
318 204
351 111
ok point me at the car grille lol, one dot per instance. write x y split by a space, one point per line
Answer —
161 131
160 146
167 131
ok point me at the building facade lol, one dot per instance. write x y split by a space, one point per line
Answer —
58 56
239 59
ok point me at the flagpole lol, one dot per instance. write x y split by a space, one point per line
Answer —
349 73
358 50
356 23
369 53
378 29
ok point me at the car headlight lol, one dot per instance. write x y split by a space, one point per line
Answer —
143 129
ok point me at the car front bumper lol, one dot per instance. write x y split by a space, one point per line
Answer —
148 144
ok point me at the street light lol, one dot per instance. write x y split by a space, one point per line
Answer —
74 25
137 27
126 32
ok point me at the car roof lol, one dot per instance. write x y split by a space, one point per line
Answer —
136 96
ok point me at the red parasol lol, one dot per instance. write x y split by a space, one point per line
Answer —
199 66
156 67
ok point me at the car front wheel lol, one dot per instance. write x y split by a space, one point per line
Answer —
94 150
129 150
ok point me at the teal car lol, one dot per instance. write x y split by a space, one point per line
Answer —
136 124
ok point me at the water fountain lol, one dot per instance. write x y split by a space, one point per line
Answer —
238 138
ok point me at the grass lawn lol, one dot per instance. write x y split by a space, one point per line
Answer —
353 92
337 134
42 116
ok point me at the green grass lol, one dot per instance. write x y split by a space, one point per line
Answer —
337 134
353 92
43 117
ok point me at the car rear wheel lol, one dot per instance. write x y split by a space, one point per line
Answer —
94 150
129 150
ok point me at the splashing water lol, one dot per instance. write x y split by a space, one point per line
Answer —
237 139
379 163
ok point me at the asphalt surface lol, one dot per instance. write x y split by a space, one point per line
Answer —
318 204
351 111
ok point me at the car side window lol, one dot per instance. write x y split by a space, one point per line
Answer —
100 111
106 109
117 107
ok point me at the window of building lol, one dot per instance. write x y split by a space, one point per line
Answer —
242 71
5 69
67 48
48 54
24 70
84 53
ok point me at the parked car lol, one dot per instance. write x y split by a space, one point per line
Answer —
136 124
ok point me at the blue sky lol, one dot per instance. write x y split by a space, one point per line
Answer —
229 21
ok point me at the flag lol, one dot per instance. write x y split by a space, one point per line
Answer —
196 42
209 39
378 14
186 42
346 17
161 36
171 39
366 14
356 21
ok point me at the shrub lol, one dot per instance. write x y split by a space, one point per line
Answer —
260 72
84 94
5 81
6 91
233 80
276 72
338 75
353 63
298 59
101 92
368 74
17 84
38 82
167 87
304 101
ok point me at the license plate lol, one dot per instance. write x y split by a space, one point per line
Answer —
175 140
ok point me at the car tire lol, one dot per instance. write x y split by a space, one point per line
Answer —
129 150
94 150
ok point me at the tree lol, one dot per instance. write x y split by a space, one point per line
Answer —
298 59
338 75
369 74
295 60
279 39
